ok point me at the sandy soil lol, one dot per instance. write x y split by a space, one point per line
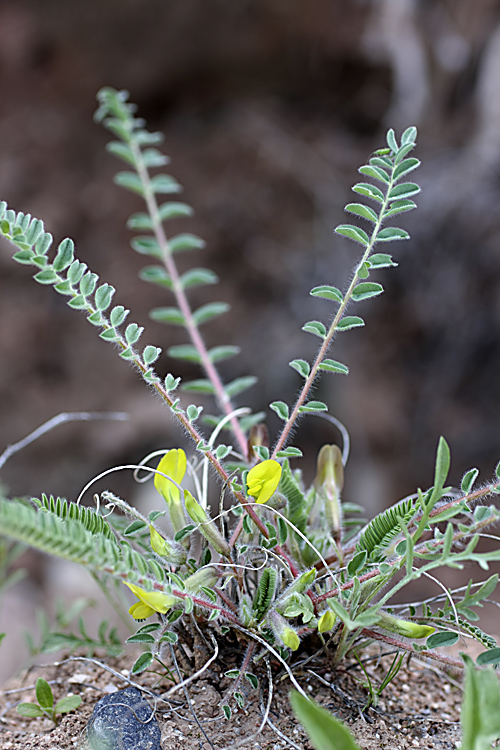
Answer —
419 709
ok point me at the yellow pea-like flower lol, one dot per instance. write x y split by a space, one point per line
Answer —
263 480
149 602
173 464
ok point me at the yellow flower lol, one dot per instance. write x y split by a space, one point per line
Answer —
173 464
149 602
263 480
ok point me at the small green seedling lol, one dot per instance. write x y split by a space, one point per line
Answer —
45 703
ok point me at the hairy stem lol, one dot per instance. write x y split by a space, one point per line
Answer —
192 329
285 433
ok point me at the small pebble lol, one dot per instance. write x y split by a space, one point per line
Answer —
123 721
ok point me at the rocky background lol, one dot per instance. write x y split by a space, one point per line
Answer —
268 108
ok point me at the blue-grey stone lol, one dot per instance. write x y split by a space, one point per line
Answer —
123 721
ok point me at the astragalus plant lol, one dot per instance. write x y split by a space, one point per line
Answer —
273 560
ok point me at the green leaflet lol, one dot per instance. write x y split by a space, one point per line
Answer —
90 520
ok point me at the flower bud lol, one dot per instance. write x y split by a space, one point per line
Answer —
290 638
328 485
258 435
403 627
171 551
298 586
206 576
326 621
206 525
283 632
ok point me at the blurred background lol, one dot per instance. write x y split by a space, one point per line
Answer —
268 109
